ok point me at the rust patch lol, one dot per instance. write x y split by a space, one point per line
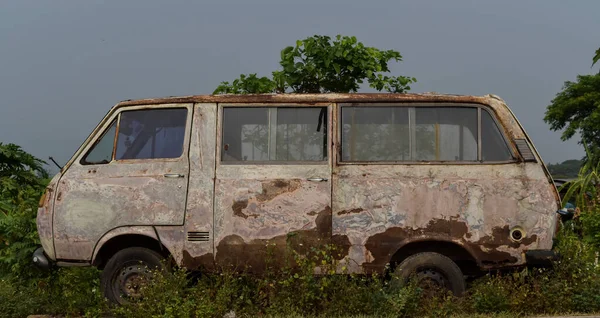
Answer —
237 208
271 189
309 98
501 236
259 254
206 261
356 210
59 196
383 246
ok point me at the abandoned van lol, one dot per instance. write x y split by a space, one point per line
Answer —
440 186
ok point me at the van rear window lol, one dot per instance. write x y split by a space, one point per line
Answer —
420 134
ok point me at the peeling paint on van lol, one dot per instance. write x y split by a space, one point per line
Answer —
370 211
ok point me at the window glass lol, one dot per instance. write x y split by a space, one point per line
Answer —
493 146
375 134
102 151
152 133
409 134
274 134
445 134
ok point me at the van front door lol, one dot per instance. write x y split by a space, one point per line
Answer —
272 188
134 174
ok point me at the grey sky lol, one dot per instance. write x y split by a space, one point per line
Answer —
63 64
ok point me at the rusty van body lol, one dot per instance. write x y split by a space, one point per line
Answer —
380 176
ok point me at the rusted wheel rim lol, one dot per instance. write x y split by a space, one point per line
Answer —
131 279
432 279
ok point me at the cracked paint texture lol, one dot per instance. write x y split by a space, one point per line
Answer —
369 211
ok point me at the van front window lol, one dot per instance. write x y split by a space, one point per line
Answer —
150 134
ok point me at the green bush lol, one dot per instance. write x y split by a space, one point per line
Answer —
22 181
491 295
68 291
590 226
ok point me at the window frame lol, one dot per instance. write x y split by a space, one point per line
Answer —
479 107
97 141
220 126
116 115
185 136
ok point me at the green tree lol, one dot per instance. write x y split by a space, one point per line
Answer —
566 169
576 109
319 64
22 180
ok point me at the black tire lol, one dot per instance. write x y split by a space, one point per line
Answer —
126 268
433 267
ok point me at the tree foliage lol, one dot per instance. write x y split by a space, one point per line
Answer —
576 109
565 169
22 180
320 64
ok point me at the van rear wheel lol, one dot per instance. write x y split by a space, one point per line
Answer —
127 272
432 271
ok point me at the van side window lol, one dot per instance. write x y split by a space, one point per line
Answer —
151 134
395 133
101 152
375 134
445 134
274 134
493 145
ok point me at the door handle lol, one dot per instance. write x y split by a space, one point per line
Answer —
173 175
317 179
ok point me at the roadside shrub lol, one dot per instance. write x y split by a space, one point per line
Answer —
590 225
16 300
276 293
68 291
491 295
22 180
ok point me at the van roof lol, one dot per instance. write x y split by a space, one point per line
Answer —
316 98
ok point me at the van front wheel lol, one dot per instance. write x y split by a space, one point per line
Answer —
432 270
127 272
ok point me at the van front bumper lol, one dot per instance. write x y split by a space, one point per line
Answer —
40 259
541 258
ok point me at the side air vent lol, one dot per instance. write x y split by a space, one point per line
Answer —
525 150
197 236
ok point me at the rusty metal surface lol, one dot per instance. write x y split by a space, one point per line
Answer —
138 230
199 210
44 218
89 206
92 200
382 208
311 98
367 211
251 214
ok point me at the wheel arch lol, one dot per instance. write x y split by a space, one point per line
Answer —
124 237
458 252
